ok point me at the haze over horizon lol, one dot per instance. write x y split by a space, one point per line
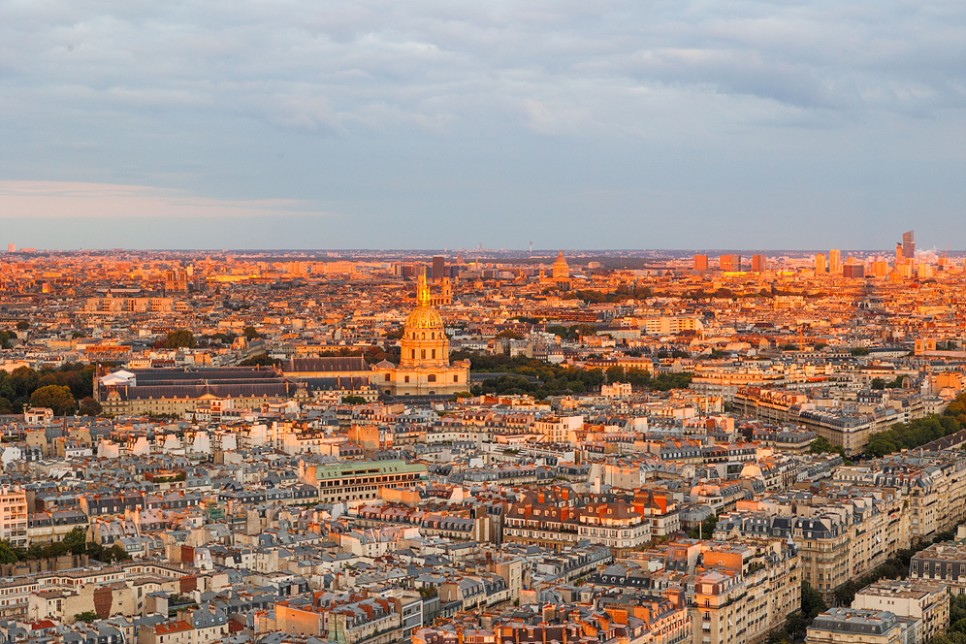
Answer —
356 125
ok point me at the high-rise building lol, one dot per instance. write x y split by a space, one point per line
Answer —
11 248
900 255
820 264
853 268
909 245
700 262
729 263
835 261
759 263
439 268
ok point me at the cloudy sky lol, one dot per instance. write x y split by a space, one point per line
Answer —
448 124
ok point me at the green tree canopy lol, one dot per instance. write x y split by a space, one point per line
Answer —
181 338
56 397
89 407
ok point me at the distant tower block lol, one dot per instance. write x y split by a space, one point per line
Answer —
909 244
835 261
11 248
759 263
701 263
820 264
729 263
439 268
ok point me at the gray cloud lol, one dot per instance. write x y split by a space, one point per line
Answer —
401 111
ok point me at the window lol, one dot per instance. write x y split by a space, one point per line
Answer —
387 377
456 378
407 378
432 377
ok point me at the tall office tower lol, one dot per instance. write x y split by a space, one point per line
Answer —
439 267
729 263
11 248
835 261
759 263
908 245
820 263
700 262
900 255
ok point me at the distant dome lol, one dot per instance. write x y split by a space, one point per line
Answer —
424 317
560 269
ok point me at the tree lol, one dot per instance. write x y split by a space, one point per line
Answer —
250 333
87 616
89 407
76 541
56 397
181 338
23 381
616 374
260 360
705 530
812 602
878 384
23 325
8 554
821 445
353 400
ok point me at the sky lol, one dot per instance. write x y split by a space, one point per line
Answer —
446 124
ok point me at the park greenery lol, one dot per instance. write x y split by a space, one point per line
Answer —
920 431
621 294
57 397
521 375
74 543
179 339
18 387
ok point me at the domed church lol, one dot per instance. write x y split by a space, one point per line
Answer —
424 368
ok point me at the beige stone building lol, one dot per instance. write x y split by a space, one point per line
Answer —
924 601
851 626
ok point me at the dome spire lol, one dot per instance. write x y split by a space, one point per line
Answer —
422 291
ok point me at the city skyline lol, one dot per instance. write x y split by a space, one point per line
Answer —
177 126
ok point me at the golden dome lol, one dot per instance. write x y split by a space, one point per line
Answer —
424 317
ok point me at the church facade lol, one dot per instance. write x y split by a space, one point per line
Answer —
424 367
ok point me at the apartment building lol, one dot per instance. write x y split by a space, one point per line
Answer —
924 601
13 515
